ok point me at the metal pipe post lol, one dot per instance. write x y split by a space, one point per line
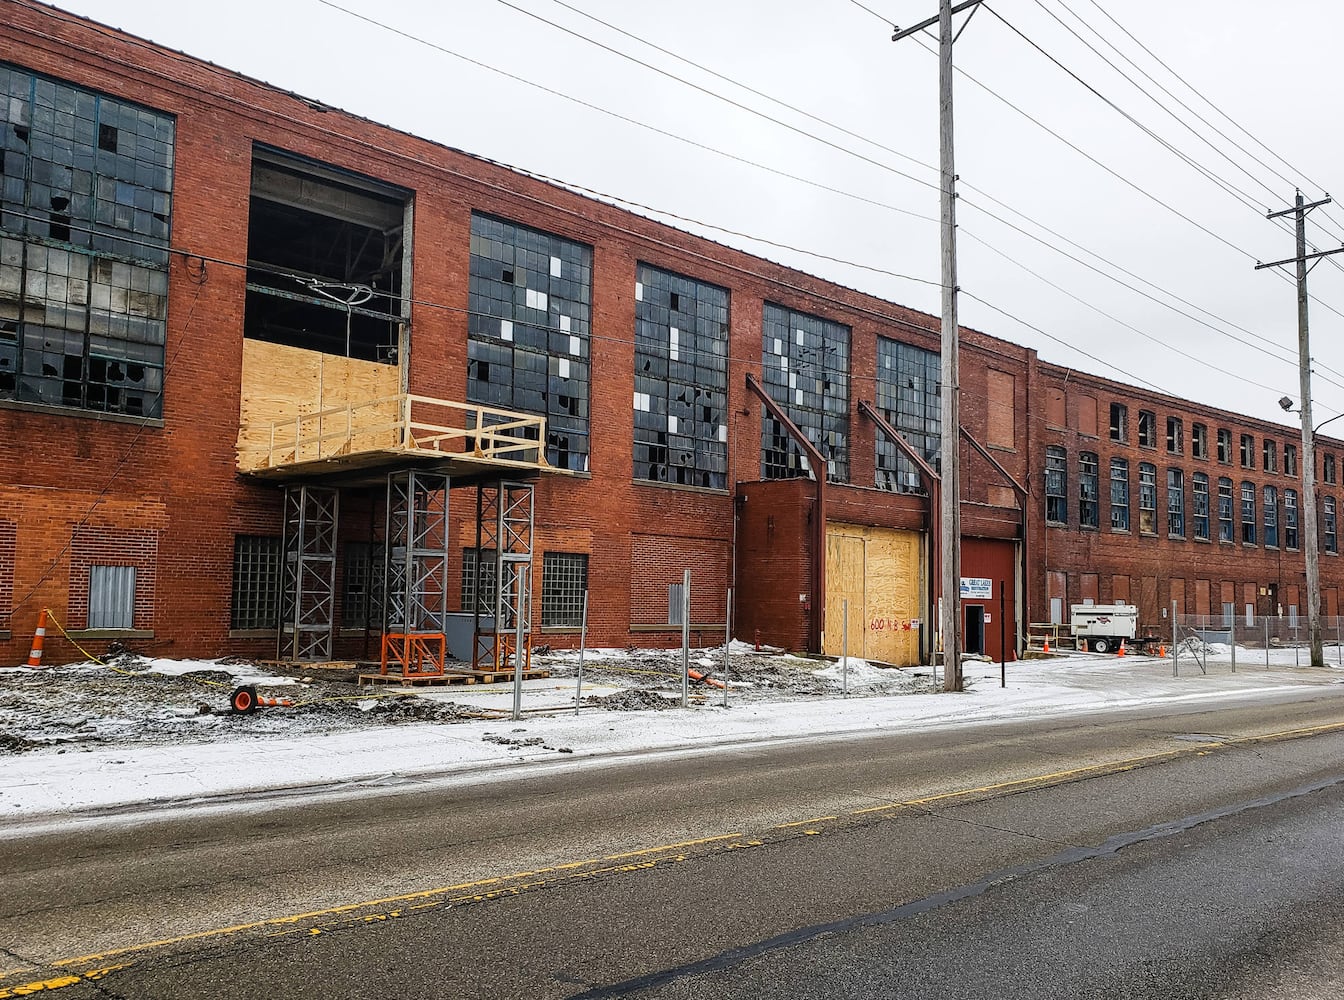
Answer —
686 639
583 642
844 647
1232 633
1175 659
727 643
519 636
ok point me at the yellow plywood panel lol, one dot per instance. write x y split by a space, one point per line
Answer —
878 571
281 383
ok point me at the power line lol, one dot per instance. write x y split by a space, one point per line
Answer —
711 93
793 108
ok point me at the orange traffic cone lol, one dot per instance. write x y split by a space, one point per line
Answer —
1121 650
39 637
1047 645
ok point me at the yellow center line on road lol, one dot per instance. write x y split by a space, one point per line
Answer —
503 886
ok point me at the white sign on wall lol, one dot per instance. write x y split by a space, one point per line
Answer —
977 588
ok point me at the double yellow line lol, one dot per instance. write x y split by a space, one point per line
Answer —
482 890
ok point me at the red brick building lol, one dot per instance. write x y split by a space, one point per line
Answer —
1155 501
276 378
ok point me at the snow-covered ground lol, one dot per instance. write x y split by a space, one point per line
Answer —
87 739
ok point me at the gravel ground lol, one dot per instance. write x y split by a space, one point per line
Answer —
135 700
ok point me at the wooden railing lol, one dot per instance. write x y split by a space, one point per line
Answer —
404 424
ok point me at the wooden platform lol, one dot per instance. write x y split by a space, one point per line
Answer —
453 677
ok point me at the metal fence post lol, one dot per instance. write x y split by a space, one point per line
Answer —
1266 643
727 643
844 647
583 642
1232 634
686 639
1175 662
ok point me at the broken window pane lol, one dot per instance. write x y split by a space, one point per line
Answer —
325 259
85 191
910 398
806 371
529 304
681 380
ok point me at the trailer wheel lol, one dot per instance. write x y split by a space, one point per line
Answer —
1101 646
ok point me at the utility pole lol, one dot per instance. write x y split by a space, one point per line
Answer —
950 507
1312 550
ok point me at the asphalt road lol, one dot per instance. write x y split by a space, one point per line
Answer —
1173 852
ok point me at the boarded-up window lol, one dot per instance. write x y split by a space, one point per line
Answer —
1054 407
1202 597
1088 587
1177 595
1087 414
1002 432
1119 590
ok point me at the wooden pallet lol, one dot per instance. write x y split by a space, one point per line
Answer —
453 677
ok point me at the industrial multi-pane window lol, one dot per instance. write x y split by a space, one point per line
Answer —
1330 540
1147 429
256 582
1176 503
1147 498
1225 507
681 380
1224 446
1290 538
1289 460
480 575
1119 494
805 363
564 580
1199 441
111 596
909 396
529 308
1271 456
1199 489
1248 513
362 586
1119 422
1056 485
1088 490
1247 451
85 190
1271 513
1328 469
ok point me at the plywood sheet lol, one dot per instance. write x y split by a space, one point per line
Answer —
282 383
878 570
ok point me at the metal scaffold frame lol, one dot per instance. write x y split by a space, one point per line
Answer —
416 572
308 596
504 527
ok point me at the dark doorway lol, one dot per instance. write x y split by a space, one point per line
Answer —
975 628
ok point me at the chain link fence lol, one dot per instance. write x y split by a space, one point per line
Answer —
1248 641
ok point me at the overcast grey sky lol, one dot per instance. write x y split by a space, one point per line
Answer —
1272 68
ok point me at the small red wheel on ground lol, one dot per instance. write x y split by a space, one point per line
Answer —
243 701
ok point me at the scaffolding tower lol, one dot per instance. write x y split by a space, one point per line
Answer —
308 595
504 531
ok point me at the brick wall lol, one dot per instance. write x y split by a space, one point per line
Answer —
1153 569
101 546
